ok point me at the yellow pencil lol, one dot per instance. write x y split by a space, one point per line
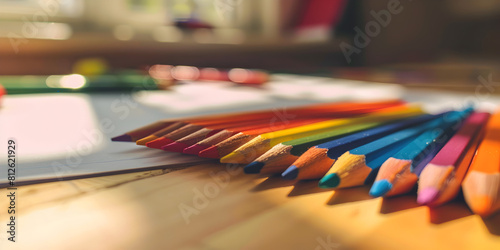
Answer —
260 144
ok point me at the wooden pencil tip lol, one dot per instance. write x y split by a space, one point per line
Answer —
158 143
234 157
427 195
253 167
350 169
481 205
481 192
175 147
194 149
124 137
211 152
397 173
329 181
313 164
380 188
145 140
290 173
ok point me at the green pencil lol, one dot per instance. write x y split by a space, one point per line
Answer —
121 81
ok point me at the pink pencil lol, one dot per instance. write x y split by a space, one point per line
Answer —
441 179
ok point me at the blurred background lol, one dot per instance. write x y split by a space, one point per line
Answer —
403 41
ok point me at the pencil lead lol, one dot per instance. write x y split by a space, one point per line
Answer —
380 188
175 147
146 139
158 143
194 149
124 137
290 173
427 195
211 152
253 168
329 181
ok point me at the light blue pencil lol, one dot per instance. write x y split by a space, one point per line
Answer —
399 173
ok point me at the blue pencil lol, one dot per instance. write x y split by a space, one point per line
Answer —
317 160
355 167
399 173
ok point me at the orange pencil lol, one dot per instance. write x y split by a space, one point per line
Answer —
312 110
333 111
482 184
209 130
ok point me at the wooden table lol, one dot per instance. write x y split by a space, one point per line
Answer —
192 208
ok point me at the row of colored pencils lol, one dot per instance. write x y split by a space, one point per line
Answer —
390 143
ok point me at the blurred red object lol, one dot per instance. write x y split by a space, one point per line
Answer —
2 92
186 73
247 76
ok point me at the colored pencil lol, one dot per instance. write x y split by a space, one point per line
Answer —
399 173
201 145
207 131
173 135
441 179
142 132
356 166
281 156
226 146
317 109
481 186
226 142
260 144
317 160
172 127
226 133
194 130
256 129
221 122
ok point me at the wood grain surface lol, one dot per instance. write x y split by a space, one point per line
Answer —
236 211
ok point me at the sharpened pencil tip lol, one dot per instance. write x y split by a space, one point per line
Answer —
329 181
253 168
481 205
194 149
290 173
211 152
234 157
380 188
145 140
427 195
123 137
175 147
158 143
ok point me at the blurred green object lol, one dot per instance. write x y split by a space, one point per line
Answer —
122 81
